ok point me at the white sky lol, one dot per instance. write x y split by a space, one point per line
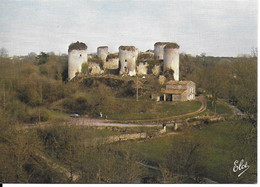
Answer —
214 27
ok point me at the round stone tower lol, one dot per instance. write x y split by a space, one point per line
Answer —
158 50
127 59
77 56
102 52
171 59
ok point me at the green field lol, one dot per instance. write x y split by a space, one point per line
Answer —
220 145
130 109
114 108
221 108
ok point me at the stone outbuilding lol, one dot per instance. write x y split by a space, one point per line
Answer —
177 91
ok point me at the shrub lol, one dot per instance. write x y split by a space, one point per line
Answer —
78 105
84 68
77 46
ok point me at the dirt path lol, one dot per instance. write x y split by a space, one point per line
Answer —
203 180
115 138
72 176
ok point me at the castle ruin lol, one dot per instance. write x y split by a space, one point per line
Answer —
127 59
77 56
165 54
102 53
171 59
159 50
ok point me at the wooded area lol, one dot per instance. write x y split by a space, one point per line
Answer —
31 86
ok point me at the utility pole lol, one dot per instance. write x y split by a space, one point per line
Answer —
39 109
4 96
136 87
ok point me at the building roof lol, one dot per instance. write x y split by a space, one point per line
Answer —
172 82
173 91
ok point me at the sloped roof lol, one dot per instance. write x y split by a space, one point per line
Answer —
172 82
173 91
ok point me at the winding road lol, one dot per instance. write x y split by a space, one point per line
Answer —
100 122
138 123
130 123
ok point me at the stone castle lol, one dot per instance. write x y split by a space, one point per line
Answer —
166 53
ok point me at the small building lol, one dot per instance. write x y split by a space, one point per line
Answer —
177 91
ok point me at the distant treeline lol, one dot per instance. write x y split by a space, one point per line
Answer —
34 82
232 79
33 88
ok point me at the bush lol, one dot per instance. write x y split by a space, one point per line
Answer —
78 105
84 68
77 46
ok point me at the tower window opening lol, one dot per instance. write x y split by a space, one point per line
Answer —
125 60
80 55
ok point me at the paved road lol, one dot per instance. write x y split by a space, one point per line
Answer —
136 123
90 122
133 123
99 122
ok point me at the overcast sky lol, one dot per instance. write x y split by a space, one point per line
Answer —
215 27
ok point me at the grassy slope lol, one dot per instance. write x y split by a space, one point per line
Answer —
221 108
221 144
96 133
130 109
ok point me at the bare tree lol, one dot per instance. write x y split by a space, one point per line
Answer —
32 55
254 52
3 52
